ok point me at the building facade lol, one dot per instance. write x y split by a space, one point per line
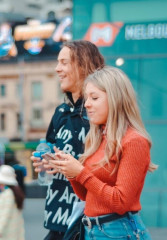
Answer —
29 93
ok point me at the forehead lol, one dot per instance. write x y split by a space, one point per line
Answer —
64 54
92 88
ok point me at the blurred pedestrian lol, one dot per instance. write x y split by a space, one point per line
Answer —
111 173
20 170
68 128
11 205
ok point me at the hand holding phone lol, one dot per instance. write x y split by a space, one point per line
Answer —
49 156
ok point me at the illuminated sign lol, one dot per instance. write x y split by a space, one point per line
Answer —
7 45
63 31
34 38
34 46
32 34
34 29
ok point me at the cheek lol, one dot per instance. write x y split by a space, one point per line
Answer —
101 114
73 81
104 114
70 70
71 76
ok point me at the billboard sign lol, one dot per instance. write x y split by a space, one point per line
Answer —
7 44
34 37
103 34
129 38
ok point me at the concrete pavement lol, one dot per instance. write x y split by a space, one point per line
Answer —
33 217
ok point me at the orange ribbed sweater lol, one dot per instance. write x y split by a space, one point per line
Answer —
118 193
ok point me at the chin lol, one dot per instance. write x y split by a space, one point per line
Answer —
63 89
96 123
93 122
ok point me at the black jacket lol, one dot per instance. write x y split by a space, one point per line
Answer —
67 130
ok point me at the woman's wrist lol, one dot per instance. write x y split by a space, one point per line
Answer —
73 177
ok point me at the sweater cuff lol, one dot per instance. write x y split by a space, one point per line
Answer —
84 175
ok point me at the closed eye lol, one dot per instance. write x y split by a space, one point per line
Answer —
94 98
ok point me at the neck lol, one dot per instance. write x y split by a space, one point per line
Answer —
75 96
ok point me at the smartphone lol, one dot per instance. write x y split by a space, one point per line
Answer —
48 156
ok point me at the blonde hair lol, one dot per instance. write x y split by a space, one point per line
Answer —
123 113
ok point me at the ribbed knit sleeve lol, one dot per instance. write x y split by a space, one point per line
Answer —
79 189
124 194
6 204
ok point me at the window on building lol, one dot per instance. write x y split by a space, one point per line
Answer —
37 117
18 90
37 114
18 117
2 121
2 90
36 90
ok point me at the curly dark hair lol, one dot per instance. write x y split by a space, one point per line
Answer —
86 56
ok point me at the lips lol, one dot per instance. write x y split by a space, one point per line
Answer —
61 77
90 113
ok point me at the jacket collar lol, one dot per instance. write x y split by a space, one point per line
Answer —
70 100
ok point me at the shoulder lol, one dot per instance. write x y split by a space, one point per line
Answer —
136 149
7 193
61 109
133 137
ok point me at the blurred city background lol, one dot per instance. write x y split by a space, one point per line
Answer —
131 34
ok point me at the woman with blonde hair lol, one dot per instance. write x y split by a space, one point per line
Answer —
111 173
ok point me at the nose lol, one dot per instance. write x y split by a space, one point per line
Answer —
58 68
87 103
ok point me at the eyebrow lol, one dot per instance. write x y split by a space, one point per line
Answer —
63 59
91 93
